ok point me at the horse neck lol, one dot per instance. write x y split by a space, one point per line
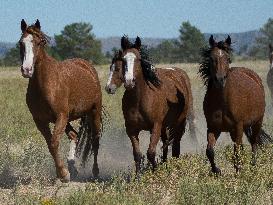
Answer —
43 63
140 87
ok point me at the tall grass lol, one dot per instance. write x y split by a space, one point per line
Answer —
27 171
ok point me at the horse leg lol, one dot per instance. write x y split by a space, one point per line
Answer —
256 131
212 138
95 120
177 138
165 141
53 143
72 135
133 135
237 136
156 132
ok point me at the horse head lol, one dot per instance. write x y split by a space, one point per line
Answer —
219 60
31 42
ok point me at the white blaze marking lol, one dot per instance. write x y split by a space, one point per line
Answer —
111 74
169 68
72 149
129 73
220 53
28 58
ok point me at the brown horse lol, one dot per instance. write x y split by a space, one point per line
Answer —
234 101
269 77
59 92
155 100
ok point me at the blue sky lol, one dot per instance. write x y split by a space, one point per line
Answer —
150 18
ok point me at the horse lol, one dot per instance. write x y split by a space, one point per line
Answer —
269 77
234 102
155 100
59 92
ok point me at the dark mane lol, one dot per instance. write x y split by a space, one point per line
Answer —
204 69
148 68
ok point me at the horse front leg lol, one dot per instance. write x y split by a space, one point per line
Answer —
53 146
133 135
212 138
53 143
155 136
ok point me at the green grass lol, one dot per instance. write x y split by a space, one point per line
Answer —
27 172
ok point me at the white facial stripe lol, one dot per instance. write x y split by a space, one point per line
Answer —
28 58
169 68
221 53
111 74
129 73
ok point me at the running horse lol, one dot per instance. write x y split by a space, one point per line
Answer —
155 100
234 102
269 77
60 92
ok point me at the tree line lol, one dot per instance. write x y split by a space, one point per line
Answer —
78 40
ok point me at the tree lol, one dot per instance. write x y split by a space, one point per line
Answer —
12 57
77 40
191 40
260 49
164 52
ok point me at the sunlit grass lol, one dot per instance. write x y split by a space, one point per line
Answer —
27 170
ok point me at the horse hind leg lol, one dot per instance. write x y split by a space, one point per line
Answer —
95 123
236 137
212 138
72 135
253 134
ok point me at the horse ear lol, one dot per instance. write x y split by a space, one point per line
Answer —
211 41
270 47
137 43
23 26
37 24
125 44
228 40
120 53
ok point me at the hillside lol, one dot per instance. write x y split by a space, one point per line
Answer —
242 41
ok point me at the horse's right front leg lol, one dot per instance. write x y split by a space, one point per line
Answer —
156 132
212 138
133 135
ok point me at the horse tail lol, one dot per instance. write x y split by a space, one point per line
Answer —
85 140
263 139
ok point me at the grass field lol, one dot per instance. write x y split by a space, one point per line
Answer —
27 172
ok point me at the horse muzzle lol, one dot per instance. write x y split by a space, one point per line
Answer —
111 89
220 82
27 72
129 84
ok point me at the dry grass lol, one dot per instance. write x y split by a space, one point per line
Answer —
27 172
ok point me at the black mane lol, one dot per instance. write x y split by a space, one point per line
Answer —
148 68
204 69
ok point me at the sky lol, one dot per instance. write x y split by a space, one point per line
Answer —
150 18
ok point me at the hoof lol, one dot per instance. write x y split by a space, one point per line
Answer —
65 179
216 170
238 168
72 169
95 171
